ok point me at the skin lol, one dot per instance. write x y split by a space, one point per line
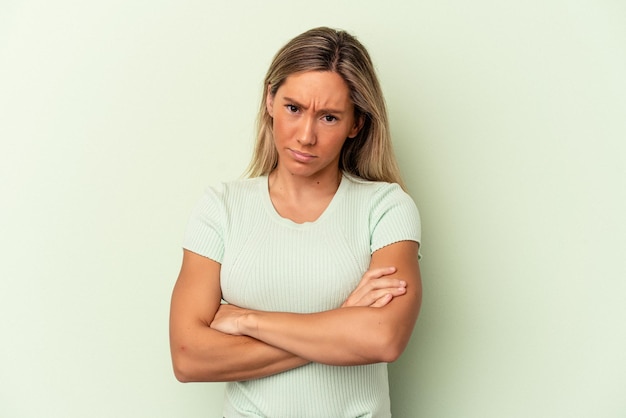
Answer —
312 118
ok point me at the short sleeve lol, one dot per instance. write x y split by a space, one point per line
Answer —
393 217
205 229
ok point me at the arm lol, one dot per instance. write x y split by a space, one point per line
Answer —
346 336
200 353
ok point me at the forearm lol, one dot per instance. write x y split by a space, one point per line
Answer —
347 336
207 355
202 354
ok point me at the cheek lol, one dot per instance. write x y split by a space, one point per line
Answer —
277 129
333 143
337 136
281 129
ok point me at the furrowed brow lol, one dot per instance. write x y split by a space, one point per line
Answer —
320 111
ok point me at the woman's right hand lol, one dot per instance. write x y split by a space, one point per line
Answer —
375 290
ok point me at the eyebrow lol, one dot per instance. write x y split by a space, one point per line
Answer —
324 110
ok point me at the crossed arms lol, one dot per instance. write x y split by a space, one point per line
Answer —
213 342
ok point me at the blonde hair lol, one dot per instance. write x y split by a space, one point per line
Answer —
369 155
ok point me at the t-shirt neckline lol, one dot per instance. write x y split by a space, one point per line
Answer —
273 213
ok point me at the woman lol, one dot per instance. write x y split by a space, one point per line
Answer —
316 253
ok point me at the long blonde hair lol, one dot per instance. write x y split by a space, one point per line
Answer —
369 155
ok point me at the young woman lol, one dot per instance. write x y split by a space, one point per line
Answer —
316 253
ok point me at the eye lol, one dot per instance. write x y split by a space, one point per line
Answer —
329 118
292 108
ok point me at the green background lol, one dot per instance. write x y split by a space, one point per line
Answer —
509 121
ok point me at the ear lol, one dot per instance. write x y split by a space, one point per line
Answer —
358 124
269 101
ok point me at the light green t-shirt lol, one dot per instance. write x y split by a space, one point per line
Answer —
271 263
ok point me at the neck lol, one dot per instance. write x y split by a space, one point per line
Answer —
287 184
302 199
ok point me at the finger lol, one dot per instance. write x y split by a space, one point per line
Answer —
387 297
384 283
378 273
368 292
371 297
377 284
368 282
380 302
375 274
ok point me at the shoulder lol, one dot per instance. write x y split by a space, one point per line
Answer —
392 213
234 187
211 221
219 200
237 192
377 192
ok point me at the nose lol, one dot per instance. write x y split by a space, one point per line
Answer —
306 132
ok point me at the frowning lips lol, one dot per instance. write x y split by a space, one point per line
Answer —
301 156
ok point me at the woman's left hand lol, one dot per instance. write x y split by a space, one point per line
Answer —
375 289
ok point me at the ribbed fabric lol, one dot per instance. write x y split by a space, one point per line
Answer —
274 264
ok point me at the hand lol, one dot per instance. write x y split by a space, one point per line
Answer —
375 290
229 319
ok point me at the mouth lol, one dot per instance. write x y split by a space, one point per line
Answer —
301 156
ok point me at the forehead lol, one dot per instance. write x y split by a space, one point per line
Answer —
322 88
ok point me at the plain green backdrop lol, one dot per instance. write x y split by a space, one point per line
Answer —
509 121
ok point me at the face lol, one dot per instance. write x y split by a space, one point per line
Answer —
312 118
